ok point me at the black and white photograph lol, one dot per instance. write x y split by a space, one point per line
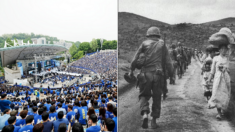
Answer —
176 66
58 65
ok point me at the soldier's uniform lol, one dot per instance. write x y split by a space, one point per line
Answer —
150 79
180 60
173 55
189 55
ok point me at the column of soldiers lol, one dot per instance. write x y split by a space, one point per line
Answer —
156 63
181 58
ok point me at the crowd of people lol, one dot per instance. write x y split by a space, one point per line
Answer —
103 63
215 69
157 63
90 107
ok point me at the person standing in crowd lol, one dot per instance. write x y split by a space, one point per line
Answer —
53 113
62 127
76 108
61 109
115 119
39 128
71 115
48 125
92 121
12 113
173 54
221 90
82 112
4 118
22 122
8 128
206 71
4 103
108 126
29 125
59 121
12 121
148 58
111 101
38 118
77 127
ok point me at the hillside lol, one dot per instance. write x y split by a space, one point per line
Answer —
132 29
25 37
225 21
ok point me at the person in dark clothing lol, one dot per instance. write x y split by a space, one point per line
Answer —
149 58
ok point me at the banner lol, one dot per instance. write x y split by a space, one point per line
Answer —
19 64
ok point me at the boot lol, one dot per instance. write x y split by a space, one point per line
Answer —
153 123
145 121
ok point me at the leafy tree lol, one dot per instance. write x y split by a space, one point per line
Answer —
73 50
27 39
1 45
16 42
98 43
93 45
110 45
114 44
9 42
78 55
32 35
85 46
51 42
77 43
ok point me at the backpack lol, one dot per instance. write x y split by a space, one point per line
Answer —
141 59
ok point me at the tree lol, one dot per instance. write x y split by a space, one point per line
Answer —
106 45
16 42
93 45
78 55
98 43
51 42
9 42
27 39
114 44
77 43
73 50
85 46
32 35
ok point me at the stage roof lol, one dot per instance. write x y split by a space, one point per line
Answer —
9 55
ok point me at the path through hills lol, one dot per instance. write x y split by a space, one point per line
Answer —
185 109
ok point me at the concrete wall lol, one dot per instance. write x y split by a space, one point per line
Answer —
11 74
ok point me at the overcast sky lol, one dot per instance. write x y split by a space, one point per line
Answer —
72 20
178 11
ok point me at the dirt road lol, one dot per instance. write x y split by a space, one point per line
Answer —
185 109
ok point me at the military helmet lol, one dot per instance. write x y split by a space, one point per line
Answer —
153 31
173 46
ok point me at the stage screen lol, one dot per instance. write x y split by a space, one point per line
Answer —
31 64
47 63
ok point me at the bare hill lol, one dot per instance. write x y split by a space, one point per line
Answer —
225 22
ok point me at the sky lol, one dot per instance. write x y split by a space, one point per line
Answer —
179 11
71 20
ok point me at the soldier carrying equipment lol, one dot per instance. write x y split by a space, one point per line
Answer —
149 59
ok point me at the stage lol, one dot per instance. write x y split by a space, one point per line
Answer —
59 84
55 70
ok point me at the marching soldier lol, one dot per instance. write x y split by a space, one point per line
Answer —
173 54
181 57
150 58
